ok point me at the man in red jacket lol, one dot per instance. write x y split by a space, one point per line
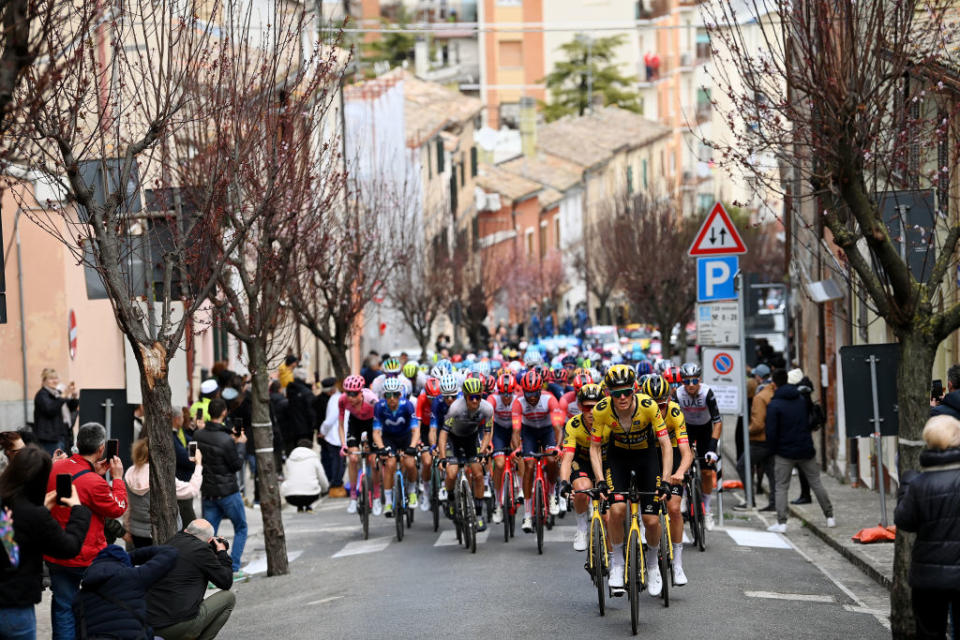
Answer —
87 467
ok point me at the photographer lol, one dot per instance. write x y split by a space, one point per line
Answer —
50 424
176 608
220 491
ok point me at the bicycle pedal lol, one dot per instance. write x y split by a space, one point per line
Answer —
617 592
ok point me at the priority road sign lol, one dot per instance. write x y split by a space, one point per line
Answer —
716 278
717 236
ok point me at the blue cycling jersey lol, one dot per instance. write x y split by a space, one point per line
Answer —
398 422
438 412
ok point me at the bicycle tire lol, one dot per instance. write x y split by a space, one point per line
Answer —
409 511
506 504
633 580
463 515
701 520
435 500
663 558
398 514
539 513
470 509
367 506
596 557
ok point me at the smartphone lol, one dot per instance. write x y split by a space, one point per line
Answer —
64 486
192 448
936 391
113 448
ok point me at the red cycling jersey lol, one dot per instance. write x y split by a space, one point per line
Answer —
502 411
424 406
546 412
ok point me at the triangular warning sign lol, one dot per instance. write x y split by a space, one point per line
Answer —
717 236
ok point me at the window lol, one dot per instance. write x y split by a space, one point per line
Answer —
511 54
556 233
463 172
663 163
673 163
220 343
473 161
529 237
543 238
629 181
643 167
440 157
454 204
429 162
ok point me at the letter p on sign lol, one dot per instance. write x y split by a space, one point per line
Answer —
715 278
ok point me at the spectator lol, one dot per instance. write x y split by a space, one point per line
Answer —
760 455
790 442
23 489
805 387
209 389
240 416
929 505
950 404
278 421
329 439
185 464
371 368
300 415
285 370
221 494
87 467
176 608
403 357
49 422
305 480
112 602
10 443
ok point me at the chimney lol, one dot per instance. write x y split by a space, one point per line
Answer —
528 126
421 58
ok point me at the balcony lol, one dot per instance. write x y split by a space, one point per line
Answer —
652 9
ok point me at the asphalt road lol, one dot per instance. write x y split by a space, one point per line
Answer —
342 587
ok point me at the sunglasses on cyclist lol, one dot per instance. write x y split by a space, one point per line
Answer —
626 392
391 394
691 381
474 398
531 394
353 394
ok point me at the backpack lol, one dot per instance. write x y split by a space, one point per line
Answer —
816 416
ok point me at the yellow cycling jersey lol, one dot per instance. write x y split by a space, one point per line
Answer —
576 438
646 422
676 425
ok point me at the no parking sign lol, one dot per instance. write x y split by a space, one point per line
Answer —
722 371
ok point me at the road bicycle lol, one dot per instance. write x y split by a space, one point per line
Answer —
665 554
365 484
509 497
402 512
464 511
598 557
541 518
696 513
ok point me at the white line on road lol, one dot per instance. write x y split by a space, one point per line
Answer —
357 547
754 538
870 612
260 564
449 538
560 534
800 597
330 599
343 528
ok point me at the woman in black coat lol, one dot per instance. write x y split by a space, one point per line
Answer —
23 489
930 506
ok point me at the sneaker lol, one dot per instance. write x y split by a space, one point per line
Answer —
769 508
743 506
248 502
802 500
449 511
425 502
486 491
580 541
412 499
481 525
498 515
352 507
654 579
337 492
616 574
780 527
527 524
831 522
378 507
554 507
679 577
240 576
387 510
520 495
708 520
442 494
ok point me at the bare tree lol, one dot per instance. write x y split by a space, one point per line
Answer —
845 101
98 129
599 266
419 289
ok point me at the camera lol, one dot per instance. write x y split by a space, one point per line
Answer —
223 541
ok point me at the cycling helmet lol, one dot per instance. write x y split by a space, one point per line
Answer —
391 366
449 384
589 393
432 387
532 358
644 367
672 375
507 383
531 382
515 367
568 361
353 383
456 358
490 385
548 376
411 370
643 379
560 376
657 388
689 370
392 385
472 387
438 371
580 380
482 367
620 375
662 365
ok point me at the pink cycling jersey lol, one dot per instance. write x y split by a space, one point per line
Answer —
364 411
545 413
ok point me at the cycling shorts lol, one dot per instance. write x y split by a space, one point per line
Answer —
536 438
581 468
355 430
501 439
466 447
700 435
675 489
397 441
644 463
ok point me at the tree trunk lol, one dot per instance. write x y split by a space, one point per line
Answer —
275 541
917 353
157 424
339 360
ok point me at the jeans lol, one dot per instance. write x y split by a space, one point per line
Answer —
783 468
930 612
50 447
332 463
18 623
252 464
242 454
64 585
230 507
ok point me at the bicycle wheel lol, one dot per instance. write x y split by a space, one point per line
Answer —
633 579
409 512
506 503
596 557
435 499
472 526
463 495
398 514
701 517
539 513
364 509
663 558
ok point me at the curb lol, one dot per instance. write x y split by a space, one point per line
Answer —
853 557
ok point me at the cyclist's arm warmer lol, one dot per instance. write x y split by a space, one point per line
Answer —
711 401
556 415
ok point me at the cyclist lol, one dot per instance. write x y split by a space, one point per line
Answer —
568 403
633 421
428 434
396 428
556 380
704 426
536 420
469 419
359 401
658 388
502 403
411 372
489 387
575 465
391 369
644 368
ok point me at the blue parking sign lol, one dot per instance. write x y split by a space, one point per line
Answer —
715 278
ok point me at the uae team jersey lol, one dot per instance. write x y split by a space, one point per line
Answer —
698 409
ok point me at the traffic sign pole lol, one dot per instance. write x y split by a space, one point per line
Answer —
745 402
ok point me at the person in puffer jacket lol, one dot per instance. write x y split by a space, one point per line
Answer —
929 504
305 479
112 598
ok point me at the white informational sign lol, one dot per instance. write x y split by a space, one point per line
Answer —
723 372
176 372
718 324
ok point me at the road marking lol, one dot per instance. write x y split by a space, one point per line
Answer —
260 564
870 612
343 528
333 506
357 547
753 538
330 599
800 597
449 538
560 534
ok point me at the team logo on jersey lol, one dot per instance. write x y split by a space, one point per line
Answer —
675 412
646 402
394 422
